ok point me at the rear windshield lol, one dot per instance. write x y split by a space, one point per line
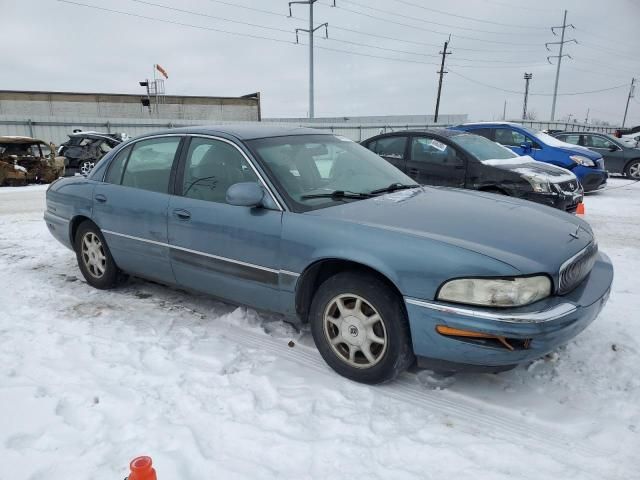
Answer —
482 148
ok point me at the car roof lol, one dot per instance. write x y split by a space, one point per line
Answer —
247 131
512 124
19 140
441 132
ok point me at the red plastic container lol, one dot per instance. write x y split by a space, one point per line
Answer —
141 469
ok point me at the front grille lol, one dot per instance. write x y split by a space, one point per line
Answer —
574 270
569 186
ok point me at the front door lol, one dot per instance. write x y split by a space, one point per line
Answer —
432 162
614 156
130 207
224 250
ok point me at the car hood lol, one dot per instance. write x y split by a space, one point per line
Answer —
530 237
571 149
527 166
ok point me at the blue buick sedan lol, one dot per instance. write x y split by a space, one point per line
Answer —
387 273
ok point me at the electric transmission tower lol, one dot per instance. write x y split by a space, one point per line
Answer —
311 30
441 72
527 78
562 41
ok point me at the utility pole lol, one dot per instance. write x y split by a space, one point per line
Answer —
442 71
504 110
311 30
631 95
586 119
527 78
559 57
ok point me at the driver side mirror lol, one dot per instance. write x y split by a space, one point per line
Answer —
613 148
526 146
245 194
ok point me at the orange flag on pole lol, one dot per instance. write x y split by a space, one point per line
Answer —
162 71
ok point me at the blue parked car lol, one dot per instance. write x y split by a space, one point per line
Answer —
320 229
587 165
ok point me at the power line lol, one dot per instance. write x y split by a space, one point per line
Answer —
422 29
516 92
417 19
468 18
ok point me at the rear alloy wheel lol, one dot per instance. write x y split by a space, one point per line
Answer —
86 167
633 170
94 259
359 326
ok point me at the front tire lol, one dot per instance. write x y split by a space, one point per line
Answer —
633 170
360 328
94 258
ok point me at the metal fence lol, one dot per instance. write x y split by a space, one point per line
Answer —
55 129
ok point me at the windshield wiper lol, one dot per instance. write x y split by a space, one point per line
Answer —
339 194
392 188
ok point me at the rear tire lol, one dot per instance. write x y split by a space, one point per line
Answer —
359 326
94 258
632 170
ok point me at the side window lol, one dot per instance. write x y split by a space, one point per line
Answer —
211 167
114 174
505 136
573 139
150 162
596 142
429 150
391 147
484 132
105 147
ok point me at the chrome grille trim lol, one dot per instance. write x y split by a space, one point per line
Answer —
575 269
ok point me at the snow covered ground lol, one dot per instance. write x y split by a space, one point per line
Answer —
90 379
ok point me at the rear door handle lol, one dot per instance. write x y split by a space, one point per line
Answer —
100 198
182 214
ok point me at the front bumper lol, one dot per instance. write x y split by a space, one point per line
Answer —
567 201
591 178
532 331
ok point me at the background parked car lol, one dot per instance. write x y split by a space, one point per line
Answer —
28 160
619 157
458 159
588 166
84 149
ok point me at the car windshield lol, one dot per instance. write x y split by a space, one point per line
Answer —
316 165
482 148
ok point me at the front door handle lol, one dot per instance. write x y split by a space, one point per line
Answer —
182 214
100 198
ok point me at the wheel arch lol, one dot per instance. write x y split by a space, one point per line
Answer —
629 162
320 270
74 224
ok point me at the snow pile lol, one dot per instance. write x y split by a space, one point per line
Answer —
90 379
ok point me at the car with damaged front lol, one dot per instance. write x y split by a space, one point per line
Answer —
25 160
84 150
317 228
459 159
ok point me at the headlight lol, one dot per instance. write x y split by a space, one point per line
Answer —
539 184
496 292
584 161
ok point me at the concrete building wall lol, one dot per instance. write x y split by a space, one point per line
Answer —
79 105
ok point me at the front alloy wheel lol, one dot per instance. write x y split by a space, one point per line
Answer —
360 327
633 170
355 331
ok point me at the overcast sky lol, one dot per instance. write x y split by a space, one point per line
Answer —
51 45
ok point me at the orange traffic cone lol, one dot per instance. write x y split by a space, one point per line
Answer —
141 469
580 210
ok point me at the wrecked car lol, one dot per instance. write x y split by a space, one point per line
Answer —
84 150
26 160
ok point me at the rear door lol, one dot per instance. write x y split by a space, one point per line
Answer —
432 162
229 251
130 206
392 149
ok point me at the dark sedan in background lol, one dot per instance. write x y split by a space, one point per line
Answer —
619 157
459 159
